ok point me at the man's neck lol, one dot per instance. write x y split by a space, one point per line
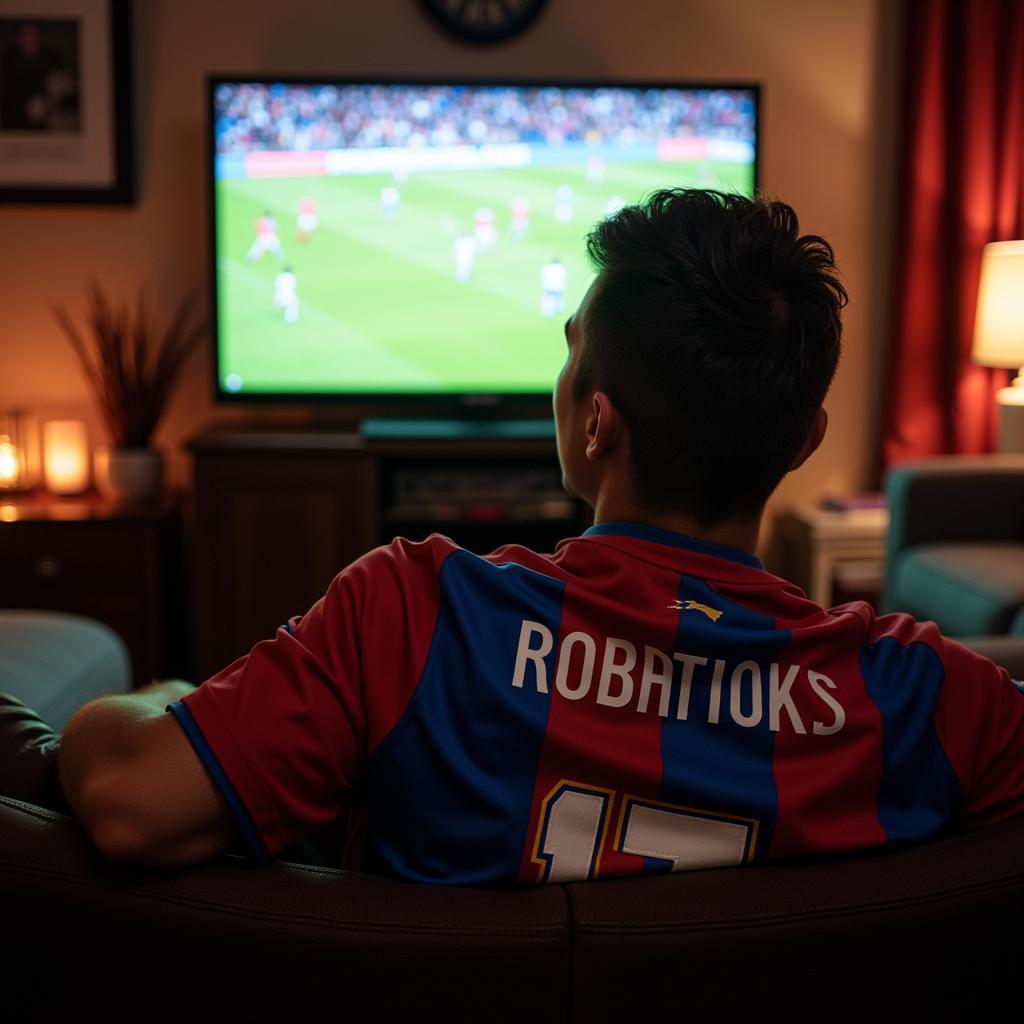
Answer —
741 534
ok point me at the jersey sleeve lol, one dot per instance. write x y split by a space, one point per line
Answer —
985 732
285 731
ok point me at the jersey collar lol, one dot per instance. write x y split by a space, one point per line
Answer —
656 535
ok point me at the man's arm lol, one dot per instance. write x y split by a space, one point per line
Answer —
136 784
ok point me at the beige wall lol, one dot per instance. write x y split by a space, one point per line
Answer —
828 72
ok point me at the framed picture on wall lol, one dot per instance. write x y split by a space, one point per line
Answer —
65 102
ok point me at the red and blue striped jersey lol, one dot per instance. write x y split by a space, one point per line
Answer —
636 702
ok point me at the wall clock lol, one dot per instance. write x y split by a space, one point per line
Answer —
484 21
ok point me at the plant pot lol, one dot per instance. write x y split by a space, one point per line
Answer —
129 474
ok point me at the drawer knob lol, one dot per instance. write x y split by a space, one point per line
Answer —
47 568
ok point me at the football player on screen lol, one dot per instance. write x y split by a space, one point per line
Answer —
464 251
520 223
286 296
390 200
267 238
484 229
306 221
563 204
553 279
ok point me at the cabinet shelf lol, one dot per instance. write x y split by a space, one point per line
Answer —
483 514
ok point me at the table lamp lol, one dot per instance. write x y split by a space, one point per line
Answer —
999 332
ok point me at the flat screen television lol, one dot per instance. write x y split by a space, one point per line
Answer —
424 240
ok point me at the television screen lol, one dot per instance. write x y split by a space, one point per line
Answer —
386 239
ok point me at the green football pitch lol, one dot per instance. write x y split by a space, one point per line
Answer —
380 309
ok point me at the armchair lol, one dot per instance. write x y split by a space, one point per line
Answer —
955 550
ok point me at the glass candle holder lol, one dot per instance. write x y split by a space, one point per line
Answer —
19 451
66 456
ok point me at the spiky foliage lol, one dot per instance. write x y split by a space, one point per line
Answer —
130 365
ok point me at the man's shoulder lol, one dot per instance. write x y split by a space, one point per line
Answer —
903 629
899 628
401 553
903 632
402 559
403 567
518 554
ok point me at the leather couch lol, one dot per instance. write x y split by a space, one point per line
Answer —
932 930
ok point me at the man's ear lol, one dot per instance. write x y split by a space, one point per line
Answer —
604 426
814 438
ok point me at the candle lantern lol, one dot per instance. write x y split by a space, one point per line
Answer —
19 451
66 456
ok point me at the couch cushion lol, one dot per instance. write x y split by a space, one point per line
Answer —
55 662
228 941
913 934
967 589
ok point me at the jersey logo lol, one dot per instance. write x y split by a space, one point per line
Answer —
1019 683
695 606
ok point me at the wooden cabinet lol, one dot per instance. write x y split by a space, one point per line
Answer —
119 564
277 515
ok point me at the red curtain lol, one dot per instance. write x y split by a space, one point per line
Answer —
962 185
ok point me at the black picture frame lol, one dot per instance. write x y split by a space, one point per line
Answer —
41 166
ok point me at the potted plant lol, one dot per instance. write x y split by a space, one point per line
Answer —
132 369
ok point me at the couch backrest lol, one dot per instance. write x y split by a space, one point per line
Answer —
933 929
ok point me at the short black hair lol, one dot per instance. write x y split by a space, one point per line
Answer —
714 328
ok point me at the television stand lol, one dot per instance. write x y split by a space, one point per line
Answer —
398 428
279 511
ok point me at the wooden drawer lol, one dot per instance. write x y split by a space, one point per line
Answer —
60 565
120 565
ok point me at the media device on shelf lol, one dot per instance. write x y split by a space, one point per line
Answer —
419 245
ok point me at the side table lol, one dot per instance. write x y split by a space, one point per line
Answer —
815 544
120 564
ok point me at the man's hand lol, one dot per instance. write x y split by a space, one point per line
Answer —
136 784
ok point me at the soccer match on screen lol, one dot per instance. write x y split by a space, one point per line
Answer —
411 239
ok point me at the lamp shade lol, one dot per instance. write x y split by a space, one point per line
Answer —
999 321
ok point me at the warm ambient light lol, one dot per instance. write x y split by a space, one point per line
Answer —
999 321
999 332
66 456
10 463
19 451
